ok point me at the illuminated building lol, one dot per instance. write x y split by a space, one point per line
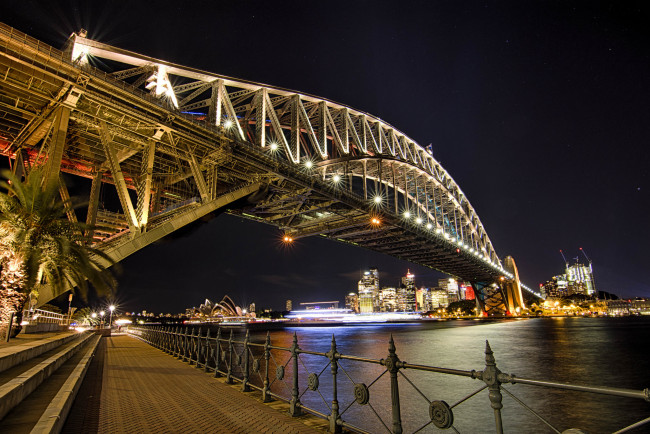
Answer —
352 302
438 298
580 279
388 297
420 299
451 286
469 293
406 294
251 307
288 306
369 291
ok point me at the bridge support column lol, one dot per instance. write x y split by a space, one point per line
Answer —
56 147
144 185
93 204
118 178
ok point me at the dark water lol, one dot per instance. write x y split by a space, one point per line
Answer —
608 352
586 351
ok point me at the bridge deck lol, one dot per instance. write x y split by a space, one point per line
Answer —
132 387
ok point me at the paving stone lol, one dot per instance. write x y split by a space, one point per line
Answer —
145 390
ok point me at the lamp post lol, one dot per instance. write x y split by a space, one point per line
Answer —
101 313
94 317
110 320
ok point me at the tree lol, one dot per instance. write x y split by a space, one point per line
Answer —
40 246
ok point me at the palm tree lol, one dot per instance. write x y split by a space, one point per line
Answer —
40 246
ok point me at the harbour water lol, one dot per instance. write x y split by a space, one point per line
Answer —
585 351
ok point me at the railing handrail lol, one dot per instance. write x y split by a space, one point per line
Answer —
44 316
203 350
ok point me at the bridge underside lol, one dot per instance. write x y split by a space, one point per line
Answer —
165 169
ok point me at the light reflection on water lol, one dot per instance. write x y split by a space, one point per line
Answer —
589 351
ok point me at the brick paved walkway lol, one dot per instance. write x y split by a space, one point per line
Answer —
144 390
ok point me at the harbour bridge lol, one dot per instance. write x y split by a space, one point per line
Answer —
177 143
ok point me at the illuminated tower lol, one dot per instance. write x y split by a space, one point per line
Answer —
406 293
369 291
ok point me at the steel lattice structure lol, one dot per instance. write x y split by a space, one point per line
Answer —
176 152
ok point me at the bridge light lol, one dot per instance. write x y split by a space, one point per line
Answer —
453 239
336 178
287 239
274 146
308 164
418 220
429 225
407 214
438 231
377 199
227 124
375 221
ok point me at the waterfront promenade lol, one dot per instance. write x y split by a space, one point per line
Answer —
133 387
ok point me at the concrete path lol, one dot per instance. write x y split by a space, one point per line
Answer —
132 387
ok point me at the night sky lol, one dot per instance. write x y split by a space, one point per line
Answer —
539 110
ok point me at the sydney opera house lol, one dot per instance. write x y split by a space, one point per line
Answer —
224 311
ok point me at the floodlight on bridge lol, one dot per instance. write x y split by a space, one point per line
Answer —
377 199
336 178
407 214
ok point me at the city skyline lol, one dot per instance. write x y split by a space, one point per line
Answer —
538 111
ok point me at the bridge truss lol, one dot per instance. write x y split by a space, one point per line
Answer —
177 143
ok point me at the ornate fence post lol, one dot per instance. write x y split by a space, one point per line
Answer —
191 347
185 344
334 416
244 385
490 377
294 409
392 364
177 347
217 353
229 374
207 354
266 397
198 348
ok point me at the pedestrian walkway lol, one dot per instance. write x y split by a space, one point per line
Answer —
132 387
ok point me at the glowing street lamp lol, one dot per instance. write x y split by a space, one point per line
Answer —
110 321
101 313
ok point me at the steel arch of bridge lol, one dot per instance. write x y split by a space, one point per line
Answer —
303 163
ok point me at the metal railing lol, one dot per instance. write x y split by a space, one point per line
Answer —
250 364
39 316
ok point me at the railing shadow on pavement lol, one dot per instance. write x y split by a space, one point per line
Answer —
322 383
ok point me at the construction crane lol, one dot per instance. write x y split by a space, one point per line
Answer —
563 257
585 254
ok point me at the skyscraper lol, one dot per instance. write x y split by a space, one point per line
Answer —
451 286
369 291
352 302
406 293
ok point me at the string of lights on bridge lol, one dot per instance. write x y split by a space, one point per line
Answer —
407 215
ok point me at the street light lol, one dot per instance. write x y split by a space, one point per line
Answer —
101 313
110 321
